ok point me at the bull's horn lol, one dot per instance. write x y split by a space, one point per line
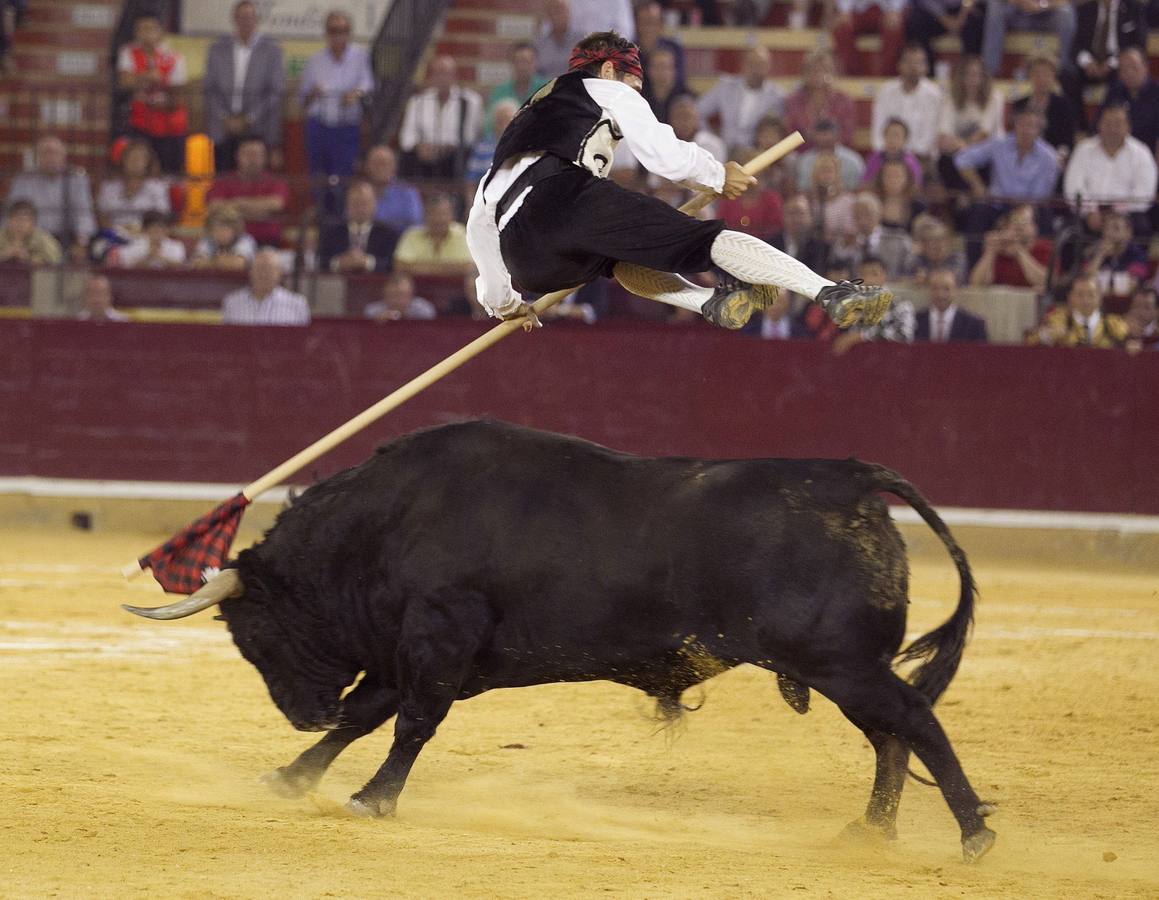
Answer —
222 586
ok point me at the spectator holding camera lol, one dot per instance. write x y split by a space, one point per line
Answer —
1013 255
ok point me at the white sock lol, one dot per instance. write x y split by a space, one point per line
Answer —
663 286
751 259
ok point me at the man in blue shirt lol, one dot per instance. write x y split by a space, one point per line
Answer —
1022 167
399 204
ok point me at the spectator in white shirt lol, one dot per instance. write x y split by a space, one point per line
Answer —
265 301
912 98
440 125
1112 168
154 249
742 100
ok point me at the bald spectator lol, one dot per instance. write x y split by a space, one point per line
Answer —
399 204
437 248
741 100
61 195
334 84
440 125
97 301
1112 168
525 79
684 117
934 249
359 244
944 321
244 82
913 99
259 195
264 301
399 301
21 242
557 37
883 17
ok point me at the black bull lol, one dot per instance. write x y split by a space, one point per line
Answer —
482 555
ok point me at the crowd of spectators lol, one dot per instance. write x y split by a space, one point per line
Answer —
956 185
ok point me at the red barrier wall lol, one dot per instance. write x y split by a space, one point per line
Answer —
1007 427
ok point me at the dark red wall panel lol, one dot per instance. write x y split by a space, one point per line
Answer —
1007 427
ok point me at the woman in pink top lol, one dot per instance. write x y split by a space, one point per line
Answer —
818 98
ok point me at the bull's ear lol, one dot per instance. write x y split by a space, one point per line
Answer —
222 586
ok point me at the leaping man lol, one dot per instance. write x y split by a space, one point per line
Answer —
547 216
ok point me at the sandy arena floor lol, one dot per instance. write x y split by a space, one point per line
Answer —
132 750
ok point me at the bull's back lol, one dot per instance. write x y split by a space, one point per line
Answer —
603 555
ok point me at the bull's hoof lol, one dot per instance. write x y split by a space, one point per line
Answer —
863 832
285 784
365 808
977 845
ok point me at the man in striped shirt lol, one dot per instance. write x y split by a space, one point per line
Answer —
265 301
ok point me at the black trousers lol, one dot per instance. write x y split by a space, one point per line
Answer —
573 227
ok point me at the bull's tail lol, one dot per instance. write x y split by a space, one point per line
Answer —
940 651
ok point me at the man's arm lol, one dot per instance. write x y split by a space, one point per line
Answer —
493 289
652 142
267 108
968 161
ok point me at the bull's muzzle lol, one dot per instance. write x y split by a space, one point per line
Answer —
222 586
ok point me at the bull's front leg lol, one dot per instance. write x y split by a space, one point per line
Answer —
439 639
363 710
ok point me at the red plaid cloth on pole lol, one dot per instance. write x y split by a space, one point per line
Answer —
179 563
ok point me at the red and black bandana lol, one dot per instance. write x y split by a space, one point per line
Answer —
626 61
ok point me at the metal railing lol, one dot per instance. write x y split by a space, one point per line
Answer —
395 55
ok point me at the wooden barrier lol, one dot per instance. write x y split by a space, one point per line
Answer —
1006 427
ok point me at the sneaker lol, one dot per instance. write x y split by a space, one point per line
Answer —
851 303
733 302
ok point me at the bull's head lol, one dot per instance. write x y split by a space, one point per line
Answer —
285 645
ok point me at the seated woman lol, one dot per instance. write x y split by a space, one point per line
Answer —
225 244
133 191
818 99
895 187
1013 254
972 111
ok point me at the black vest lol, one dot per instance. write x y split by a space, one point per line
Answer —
562 119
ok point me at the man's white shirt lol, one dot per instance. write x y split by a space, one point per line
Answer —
652 142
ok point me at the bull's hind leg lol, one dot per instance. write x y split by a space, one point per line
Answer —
438 642
889 779
363 710
882 702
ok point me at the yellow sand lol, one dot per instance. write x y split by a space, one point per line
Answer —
132 750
